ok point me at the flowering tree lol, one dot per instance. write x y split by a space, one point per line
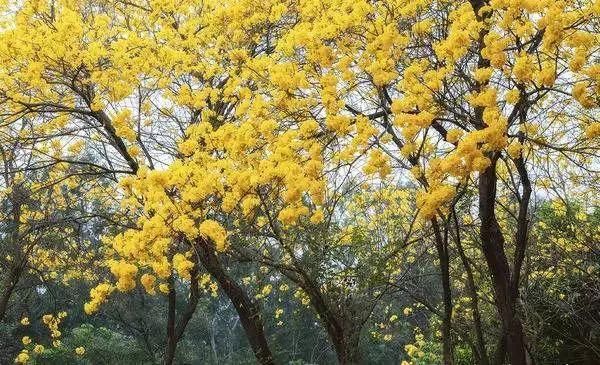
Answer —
231 125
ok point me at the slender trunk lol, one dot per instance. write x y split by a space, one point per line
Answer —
117 141
171 340
344 334
342 329
472 289
192 303
492 241
17 266
10 282
522 235
247 310
345 339
175 332
444 257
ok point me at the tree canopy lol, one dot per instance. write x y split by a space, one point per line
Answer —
300 181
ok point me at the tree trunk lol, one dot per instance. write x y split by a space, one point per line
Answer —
481 353
343 328
175 333
171 340
492 241
344 334
10 282
347 348
247 310
444 257
17 266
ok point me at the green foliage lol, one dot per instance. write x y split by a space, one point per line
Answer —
102 347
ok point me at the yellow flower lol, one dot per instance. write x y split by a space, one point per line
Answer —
38 349
593 130
182 265
80 350
26 340
317 217
22 358
25 321
514 149
523 68
213 230
148 281
265 291
164 288
378 163
47 318
453 135
512 96
580 94
411 349
125 274
98 296
483 74
214 290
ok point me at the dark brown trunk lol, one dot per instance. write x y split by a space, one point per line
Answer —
521 237
343 333
175 332
344 337
492 241
171 340
247 310
347 349
442 249
10 282
117 142
500 353
505 284
342 328
17 266
192 303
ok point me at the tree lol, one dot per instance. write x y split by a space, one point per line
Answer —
230 126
